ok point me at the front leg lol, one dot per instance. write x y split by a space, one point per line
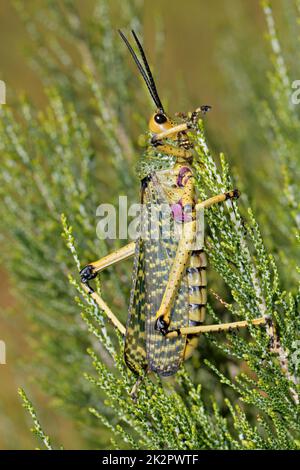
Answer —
233 194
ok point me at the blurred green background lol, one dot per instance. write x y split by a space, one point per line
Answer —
202 43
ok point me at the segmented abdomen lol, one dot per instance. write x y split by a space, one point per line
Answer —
197 283
178 186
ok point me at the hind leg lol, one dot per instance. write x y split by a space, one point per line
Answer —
194 330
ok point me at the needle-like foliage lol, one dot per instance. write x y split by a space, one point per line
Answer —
58 165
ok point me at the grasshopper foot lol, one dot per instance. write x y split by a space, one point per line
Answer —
162 326
87 273
234 194
194 117
205 108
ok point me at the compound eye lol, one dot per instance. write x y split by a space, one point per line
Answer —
160 118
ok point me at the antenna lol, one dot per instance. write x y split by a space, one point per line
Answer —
146 74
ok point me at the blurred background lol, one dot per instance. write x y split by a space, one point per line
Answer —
202 53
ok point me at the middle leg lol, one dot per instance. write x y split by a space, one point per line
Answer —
90 271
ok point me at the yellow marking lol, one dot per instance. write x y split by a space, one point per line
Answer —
198 260
198 297
197 314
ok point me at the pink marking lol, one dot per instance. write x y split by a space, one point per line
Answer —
178 213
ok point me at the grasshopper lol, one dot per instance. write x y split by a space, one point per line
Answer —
169 290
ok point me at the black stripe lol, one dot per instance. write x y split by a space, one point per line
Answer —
197 252
196 288
195 306
193 270
195 323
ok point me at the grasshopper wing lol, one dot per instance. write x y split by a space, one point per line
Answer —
145 347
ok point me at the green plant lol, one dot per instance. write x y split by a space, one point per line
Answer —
52 164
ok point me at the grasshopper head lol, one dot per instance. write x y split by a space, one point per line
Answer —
159 122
